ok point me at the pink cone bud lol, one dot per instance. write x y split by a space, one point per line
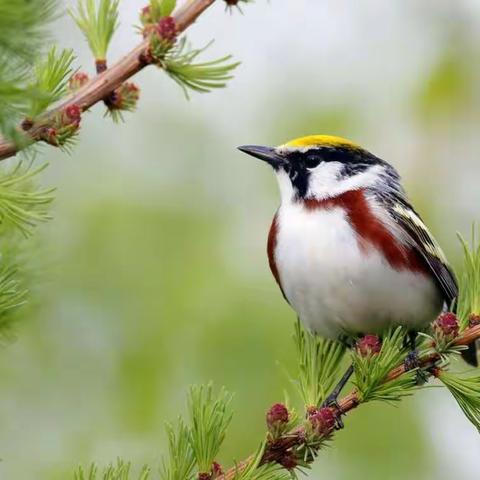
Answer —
323 421
77 80
277 416
216 470
73 113
166 29
146 15
51 136
288 461
446 325
368 345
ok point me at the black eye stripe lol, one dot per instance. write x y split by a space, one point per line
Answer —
312 161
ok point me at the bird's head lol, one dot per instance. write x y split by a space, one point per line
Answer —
322 166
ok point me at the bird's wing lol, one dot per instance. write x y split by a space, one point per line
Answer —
413 232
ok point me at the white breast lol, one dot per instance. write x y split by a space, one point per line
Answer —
335 287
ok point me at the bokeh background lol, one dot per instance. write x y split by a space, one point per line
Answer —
153 273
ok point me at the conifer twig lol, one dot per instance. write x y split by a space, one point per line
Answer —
96 89
276 451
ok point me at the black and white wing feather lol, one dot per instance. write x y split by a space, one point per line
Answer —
413 232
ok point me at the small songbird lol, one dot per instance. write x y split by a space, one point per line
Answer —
348 251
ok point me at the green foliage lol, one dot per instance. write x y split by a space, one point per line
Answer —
469 279
371 370
199 77
466 392
22 204
22 36
119 471
16 98
22 28
161 8
209 417
319 360
51 79
97 24
180 461
12 296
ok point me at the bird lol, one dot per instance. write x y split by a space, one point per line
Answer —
346 247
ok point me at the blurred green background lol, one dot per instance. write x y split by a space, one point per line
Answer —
153 273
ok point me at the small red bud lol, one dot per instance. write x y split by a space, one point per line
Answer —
50 136
166 29
473 320
74 113
216 470
277 416
288 461
77 80
204 476
446 325
368 345
146 15
311 410
323 421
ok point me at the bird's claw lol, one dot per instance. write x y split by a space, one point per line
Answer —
412 362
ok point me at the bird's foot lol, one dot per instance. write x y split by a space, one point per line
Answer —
412 362
332 400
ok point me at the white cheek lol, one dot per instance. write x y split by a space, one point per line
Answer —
323 180
285 185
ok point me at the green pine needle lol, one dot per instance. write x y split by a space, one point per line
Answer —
22 205
319 360
120 471
22 27
466 392
22 37
180 461
98 25
210 416
199 77
469 291
372 370
161 8
51 79
12 296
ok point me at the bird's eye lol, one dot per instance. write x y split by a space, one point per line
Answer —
312 161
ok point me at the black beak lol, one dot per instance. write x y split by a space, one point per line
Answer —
267 154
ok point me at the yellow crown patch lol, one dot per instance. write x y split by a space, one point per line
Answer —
320 141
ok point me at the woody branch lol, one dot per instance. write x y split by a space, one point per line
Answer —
102 85
277 450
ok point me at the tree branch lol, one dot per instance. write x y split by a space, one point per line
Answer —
277 450
99 87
